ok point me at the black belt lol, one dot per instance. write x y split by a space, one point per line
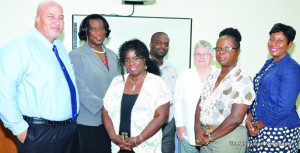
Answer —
36 120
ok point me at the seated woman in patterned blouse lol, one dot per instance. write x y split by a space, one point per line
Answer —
224 101
136 104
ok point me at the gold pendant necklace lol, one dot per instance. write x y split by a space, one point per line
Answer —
134 84
222 76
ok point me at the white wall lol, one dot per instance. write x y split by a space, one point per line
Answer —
254 20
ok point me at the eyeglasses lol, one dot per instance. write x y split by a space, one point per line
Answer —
205 55
134 58
228 49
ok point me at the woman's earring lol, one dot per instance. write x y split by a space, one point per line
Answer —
145 67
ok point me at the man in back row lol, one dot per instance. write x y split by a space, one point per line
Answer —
38 95
159 48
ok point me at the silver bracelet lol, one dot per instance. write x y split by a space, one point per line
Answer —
135 141
141 138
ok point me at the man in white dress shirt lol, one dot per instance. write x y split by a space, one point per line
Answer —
159 47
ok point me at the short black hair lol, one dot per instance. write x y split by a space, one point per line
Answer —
234 33
141 51
158 33
84 26
288 31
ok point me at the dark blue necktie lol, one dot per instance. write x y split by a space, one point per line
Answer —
70 83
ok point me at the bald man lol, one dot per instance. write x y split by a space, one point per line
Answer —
38 96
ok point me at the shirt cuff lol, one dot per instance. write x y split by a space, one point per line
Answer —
19 127
178 123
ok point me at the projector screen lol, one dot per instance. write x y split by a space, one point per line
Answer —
123 28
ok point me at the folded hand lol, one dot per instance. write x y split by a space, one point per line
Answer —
252 130
120 141
180 132
201 136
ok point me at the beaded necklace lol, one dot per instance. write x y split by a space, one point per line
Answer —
106 62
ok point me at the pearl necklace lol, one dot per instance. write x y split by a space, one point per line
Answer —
134 84
98 51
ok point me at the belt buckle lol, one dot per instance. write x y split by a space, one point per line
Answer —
37 120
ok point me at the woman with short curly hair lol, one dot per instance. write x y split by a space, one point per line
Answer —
137 103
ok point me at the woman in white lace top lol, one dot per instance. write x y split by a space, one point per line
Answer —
136 104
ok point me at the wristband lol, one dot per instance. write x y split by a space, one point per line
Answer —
135 141
210 139
256 126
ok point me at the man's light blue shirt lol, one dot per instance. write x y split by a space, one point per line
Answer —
32 82
169 74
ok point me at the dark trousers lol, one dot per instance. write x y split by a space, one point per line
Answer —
43 138
94 139
168 139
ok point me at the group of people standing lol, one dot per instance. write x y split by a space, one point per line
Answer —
94 100
126 106
233 114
